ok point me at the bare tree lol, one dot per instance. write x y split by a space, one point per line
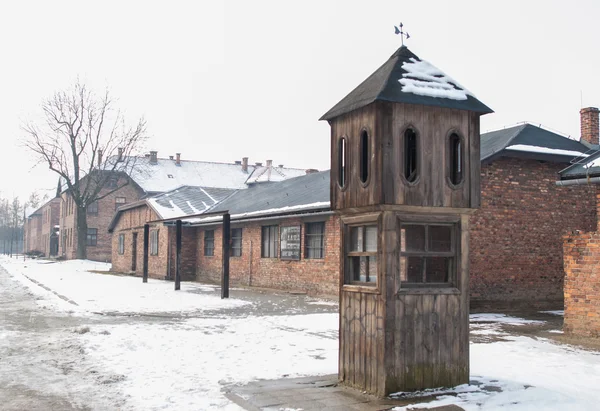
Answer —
86 141
34 200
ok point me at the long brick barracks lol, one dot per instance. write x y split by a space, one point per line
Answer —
285 236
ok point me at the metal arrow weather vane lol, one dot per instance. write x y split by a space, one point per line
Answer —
401 33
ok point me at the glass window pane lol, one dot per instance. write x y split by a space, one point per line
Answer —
371 238
440 238
414 237
438 269
356 239
372 270
411 269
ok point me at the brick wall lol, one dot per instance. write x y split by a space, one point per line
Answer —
67 242
188 253
50 218
102 251
106 210
516 236
131 223
590 126
313 276
582 283
33 233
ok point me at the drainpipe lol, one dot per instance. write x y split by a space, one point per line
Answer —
579 181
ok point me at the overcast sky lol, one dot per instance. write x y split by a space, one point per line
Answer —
220 80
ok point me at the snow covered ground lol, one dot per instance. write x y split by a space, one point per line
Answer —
157 349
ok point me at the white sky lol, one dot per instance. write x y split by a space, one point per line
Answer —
220 80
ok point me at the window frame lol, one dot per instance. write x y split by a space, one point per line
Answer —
120 204
154 236
450 158
92 239
364 159
92 210
209 251
453 285
371 219
308 236
273 241
403 155
342 162
234 248
121 244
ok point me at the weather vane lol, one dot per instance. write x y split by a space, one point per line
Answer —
401 33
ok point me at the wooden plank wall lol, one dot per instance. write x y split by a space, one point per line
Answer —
361 342
429 345
356 194
387 123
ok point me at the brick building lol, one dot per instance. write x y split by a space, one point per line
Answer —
32 232
41 229
582 247
516 235
151 176
283 235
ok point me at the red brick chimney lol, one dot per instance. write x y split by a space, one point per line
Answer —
99 158
178 159
245 164
590 127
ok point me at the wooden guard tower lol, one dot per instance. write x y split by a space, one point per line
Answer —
405 176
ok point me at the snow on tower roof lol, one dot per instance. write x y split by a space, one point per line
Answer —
405 78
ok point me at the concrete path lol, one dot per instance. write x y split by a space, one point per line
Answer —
312 394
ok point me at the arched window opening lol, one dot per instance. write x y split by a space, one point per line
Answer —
364 156
342 162
456 159
410 155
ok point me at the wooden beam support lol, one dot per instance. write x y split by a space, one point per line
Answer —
145 263
225 254
178 255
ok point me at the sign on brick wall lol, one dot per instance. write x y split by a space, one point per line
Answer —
290 243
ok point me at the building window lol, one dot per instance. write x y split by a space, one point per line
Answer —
314 236
411 169
154 242
364 156
236 242
119 201
112 182
92 236
361 255
121 244
342 162
455 160
209 243
428 254
269 242
92 208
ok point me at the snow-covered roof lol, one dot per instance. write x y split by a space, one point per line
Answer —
405 78
167 175
29 211
546 150
531 141
185 201
273 174
308 193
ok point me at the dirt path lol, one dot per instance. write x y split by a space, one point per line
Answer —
42 363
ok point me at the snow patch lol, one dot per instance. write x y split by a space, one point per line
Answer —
424 79
545 150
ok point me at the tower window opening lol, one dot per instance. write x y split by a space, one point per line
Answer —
410 155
